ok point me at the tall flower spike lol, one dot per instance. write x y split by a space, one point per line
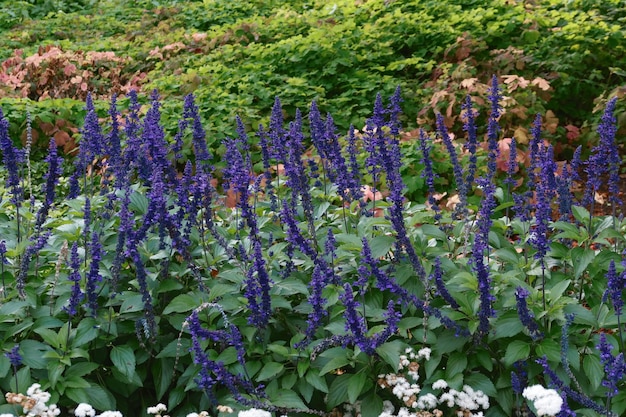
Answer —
442 291
614 366
258 289
51 179
456 166
471 146
93 276
92 132
493 128
355 324
526 316
190 111
428 173
615 286
76 295
12 158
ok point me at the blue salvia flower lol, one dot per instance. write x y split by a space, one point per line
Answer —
92 132
480 250
564 192
190 111
14 357
154 144
231 337
277 133
258 289
615 286
177 143
93 276
266 157
392 318
318 132
337 169
604 158
456 166
51 178
575 163
374 139
558 384
614 366
149 322
525 315
295 170
355 324
394 112
37 243
76 296
523 206
428 173
386 282
12 158
133 155
469 125
317 301
493 128
437 276
543 212
124 231
519 377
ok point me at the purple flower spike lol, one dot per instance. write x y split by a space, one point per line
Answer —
526 316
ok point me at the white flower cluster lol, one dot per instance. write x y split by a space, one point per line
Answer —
254 412
33 403
547 402
403 384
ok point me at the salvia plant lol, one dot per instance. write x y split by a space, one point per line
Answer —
298 279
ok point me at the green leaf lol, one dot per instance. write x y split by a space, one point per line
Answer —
390 352
163 371
132 303
355 386
581 258
55 370
81 369
270 370
175 397
182 303
479 381
581 214
508 325
594 370
95 395
371 406
288 399
381 245
335 363
338 391
516 351
551 349
85 332
123 358
313 378
457 363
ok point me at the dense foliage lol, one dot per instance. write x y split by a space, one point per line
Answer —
237 56
306 283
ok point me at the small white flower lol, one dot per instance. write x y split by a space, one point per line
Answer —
33 389
424 353
427 402
7 415
193 415
387 407
440 384
110 413
254 412
547 402
84 410
157 409
222 409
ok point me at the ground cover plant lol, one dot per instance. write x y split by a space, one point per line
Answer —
306 283
237 56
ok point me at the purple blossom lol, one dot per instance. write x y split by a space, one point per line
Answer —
525 315
493 128
91 131
614 366
12 158
51 178
190 111
519 377
356 178
355 324
480 250
114 147
258 289
512 164
437 276
148 322
428 173
543 212
471 145
558 384
76 296
14 357
317 301
456 166
615 286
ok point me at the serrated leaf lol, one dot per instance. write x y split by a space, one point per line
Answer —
313 378
390 352
457 363
516 351
381 245
581 258
95 395
182 303
270 370
480 382
355 386
123 358
288 399
371 406
335 363
338 391
594 370
550 348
